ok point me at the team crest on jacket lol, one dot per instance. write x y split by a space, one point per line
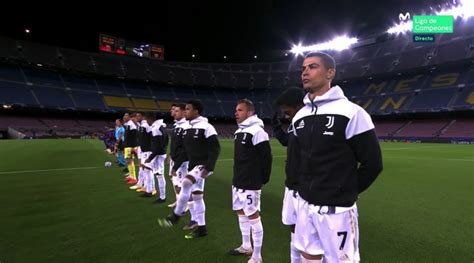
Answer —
330 122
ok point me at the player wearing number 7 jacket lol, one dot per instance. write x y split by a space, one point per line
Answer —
252 167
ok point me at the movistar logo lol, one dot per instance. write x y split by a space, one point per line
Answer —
404 17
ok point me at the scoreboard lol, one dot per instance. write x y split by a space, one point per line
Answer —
120 46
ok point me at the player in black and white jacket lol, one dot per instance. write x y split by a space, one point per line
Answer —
178 157
142 137
252 168
340 158
157 156
290 102
130 145
202 148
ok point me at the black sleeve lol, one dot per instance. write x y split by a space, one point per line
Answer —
265 154
181 157
164 140
278 132
367 151
156 144
281 135
213 150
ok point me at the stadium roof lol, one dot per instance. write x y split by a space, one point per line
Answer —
238 30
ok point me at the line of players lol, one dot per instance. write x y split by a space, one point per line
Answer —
143 137
333 155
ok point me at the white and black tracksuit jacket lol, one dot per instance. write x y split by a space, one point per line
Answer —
252 155
201 144
144 137
177 151
159 139
131 130
339 150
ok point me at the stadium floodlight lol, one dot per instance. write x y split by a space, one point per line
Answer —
338 44
255 57
27 30
193 55
465 9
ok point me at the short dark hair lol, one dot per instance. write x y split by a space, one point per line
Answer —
174 105
119 120
182 106
327 59
292 97
197 105
248 103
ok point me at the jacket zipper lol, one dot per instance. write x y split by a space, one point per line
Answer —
315 108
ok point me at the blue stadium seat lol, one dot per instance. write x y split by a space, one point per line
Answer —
432 99
465 99
88 100
43 77
111 87
205 94
53 97
80 83
11 73
184 94
163 93
14 93
138 90
225 95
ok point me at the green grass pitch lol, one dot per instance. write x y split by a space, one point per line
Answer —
419 210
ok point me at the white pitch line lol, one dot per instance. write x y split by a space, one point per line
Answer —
51 170
414 148
431 159
223 160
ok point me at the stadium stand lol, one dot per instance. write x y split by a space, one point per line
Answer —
395 76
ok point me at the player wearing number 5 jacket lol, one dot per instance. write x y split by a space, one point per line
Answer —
252 168
202 147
